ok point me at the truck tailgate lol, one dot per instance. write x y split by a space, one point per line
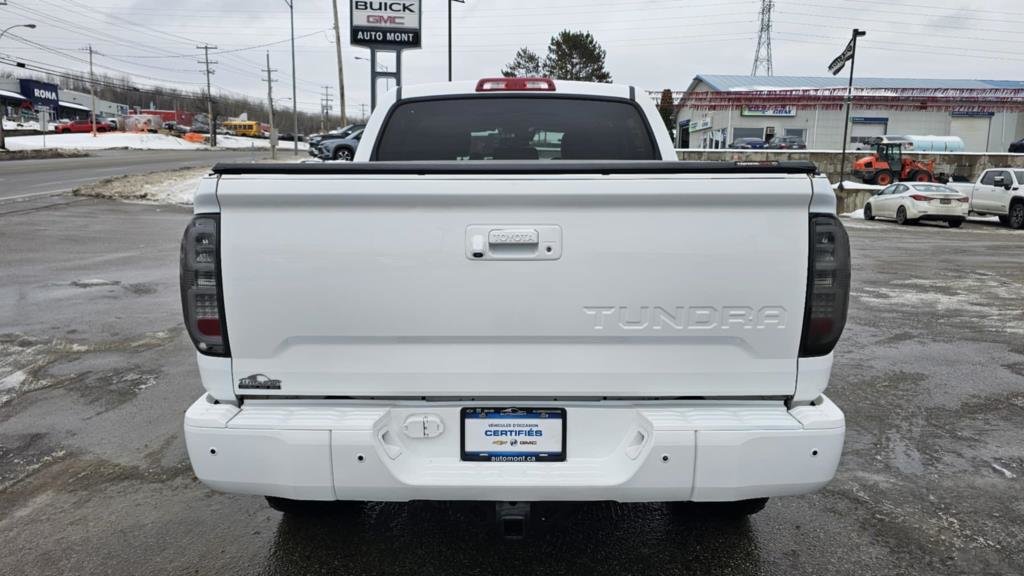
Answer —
658 285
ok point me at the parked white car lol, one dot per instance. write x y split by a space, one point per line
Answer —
998 192
910 202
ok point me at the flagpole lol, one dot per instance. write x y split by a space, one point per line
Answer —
849 100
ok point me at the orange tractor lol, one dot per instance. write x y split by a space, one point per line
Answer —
887 164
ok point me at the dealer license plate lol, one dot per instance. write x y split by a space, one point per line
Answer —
945 201
513 434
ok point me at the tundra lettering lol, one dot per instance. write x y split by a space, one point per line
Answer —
686 318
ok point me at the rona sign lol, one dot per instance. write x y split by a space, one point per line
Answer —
386 24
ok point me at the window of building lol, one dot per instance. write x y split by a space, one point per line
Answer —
800 133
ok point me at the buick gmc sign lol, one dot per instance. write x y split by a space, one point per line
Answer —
387 24
40 93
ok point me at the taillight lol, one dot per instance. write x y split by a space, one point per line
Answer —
828 286
920 197
963 199
515 84
201 297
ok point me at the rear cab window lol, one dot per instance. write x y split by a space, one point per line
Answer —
467 128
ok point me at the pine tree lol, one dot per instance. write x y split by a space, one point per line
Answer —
667 108
526 63
576 56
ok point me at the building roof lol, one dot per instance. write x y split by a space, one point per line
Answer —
9 94
726 83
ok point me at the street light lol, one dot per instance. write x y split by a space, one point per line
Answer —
295 98
3 108
382 67
450 36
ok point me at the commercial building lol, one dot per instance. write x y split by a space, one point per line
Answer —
23 98
716 110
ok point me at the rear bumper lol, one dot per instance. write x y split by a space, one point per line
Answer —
623 451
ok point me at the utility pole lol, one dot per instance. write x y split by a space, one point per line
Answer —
763 54
325 108
852 47
341 72
270 101
92 92
209 95
450 36
295 90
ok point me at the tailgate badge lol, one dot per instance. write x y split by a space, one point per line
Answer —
259 382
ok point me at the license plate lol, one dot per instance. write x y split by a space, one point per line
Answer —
513 434
945 201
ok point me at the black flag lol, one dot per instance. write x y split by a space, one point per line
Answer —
839 63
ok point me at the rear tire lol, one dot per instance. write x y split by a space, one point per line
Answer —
955 223
901 216
868 214
883 178
729 511
311 507
1016 216
343 154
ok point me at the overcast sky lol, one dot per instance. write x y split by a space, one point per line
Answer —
652 44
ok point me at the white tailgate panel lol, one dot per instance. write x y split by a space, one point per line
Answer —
361 286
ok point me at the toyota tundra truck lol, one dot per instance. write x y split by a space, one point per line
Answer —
515 294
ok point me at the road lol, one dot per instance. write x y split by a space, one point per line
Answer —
21 179
96 372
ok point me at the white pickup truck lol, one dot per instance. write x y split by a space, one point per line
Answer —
998 192
515 293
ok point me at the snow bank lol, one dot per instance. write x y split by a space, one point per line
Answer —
136 141
175 187
851 185
133 140
856 214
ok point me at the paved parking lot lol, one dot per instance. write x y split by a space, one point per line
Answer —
95 374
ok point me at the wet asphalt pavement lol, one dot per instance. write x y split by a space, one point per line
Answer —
96 372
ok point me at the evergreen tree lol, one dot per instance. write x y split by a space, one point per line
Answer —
526 63
576 56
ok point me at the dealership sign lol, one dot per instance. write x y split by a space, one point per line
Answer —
40 93
698 125
385 24
767 110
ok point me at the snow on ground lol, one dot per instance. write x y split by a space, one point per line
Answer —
174 187
857 214
851 185
28 125
136 141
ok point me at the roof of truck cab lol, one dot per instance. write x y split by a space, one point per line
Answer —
561 87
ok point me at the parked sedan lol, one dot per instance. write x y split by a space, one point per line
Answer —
747 143
910 202
81 126
786 143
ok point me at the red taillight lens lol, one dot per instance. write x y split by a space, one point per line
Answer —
920 197
515 84
828 286
963 199
201 299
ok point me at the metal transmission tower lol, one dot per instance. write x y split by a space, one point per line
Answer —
763 55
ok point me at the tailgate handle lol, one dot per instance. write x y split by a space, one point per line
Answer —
497 242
